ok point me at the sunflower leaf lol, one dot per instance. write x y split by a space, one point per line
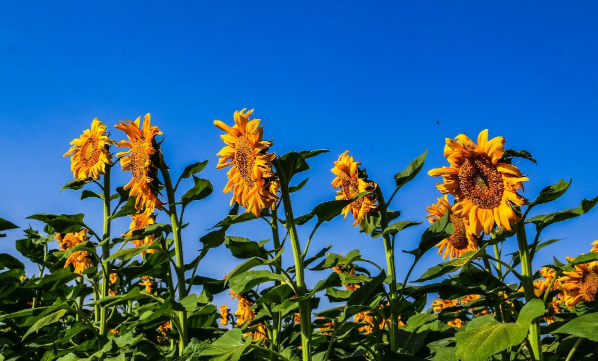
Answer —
247 280
509 154
551 192
76 184
6 225
545 220
298 186
327 211
194 169
291 164
200 190
438 231
306 154
585 326
406 175
399 226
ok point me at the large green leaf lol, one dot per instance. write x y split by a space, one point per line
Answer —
298 186
406 175
509 154
244 248
291 164
585 326
44 321
248 280
545 220
200 190
450 266
6 225
252 263
64 223
8 261
327 211
229 347
126 209
484 336
551 193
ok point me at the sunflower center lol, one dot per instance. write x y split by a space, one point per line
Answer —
589 286
139 158
350 187
245 159
90 152
481 182
459 238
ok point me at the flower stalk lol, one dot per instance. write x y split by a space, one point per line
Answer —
180 262
105 250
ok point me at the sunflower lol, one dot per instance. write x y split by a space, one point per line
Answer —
90 154
462 240
594 246
297 318
162 336
439 305
140 221
580 284
327 327
351 180
244 312
251 179
477 311
224 314
72 239
138 160
456 323
485 188
81 260
367 318
148 283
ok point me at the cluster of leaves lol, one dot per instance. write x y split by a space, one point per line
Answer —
55 315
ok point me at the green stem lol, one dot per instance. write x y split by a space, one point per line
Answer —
180 262
498 264
573 349
105 252
528 289
276 316
390 261
304 305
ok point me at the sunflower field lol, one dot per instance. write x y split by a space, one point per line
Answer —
126 294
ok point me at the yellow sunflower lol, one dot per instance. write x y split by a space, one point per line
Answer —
81 260
140 221
456 323
251 179
244 312
367 318
327 328
351 180
594 246
484 187
72 239
162 336
580 284
148 283
90 154
462 240
224 314
138 161
438 305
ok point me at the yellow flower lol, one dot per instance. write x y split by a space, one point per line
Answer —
260 334
554 307
366 317
297 318
224 313
114 332
112 292
140 221
471 298
351 180
462 240
349 287
72 239
456 323
438 305
581 284
162 336
483 186
81 260
148 283
244 312
113 278
90 154
251 179
594 246
143 184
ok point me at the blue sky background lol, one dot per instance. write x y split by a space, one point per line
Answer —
385 79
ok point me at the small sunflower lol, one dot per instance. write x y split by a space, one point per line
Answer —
148 283
140 221
367 318
251 179
456 323
224 314
244 312
138 160
580 284
484 187
162 336
89 153
462 240
438 305
351 180
81 260
72 239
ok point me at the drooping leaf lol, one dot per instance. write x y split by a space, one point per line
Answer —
200 190
194 169
44 321
252 263
551 192
10 262
76 184
126 209
213 239
306 154
406 175
89 194
327 211
291 164
585 326
484 336
64 223
449 266
399 226
298 186
6 225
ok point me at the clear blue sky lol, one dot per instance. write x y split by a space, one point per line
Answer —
385 79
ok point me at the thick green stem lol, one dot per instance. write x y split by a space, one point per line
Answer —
528 289
390 261
276 316
105 252
180 262
304 305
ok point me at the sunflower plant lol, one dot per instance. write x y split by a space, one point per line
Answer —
130 294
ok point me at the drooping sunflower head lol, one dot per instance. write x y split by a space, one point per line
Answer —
456 323
244 311
438 305
351 181
580 284
140 161
72 239
462 240
140 221
224 314
90 153
485 187
251 179
81 260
